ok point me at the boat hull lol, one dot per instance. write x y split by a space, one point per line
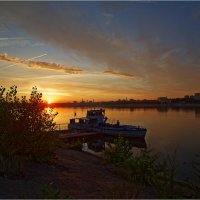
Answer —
126 131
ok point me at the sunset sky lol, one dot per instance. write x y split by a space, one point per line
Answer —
100 50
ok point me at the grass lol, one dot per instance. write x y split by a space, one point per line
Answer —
12 165
196 170
49 191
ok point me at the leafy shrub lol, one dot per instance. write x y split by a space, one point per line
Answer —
196 170
25 127
165 179
142 167
12 165
49 192
145 168
119 152
77 145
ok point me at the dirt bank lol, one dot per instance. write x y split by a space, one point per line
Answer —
74 174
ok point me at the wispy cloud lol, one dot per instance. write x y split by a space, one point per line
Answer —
10 41
147 54
10 38
108 17
125 75
39 64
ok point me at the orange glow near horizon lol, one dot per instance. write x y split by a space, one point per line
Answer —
58 99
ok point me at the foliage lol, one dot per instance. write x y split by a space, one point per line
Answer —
124 191
142 167
145 168
25 126
164 179
119 152
77 145
49 192
196 170
12 165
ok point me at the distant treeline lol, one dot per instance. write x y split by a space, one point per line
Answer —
177 102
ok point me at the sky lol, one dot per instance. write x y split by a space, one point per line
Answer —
101 50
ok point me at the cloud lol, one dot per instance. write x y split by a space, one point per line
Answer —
10 41
66 25
3 27
39 64
71 29
108 18
125 75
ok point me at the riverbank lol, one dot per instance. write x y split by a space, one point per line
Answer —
72 174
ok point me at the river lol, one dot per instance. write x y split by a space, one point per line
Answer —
167 129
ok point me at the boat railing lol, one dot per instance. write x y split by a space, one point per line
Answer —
62 126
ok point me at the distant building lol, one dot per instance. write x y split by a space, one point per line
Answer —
187 97
197 96
163 99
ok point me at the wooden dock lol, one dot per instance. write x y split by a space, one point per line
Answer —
82 136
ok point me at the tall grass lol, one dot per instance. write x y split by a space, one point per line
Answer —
164 180
196 170
145 168
50 191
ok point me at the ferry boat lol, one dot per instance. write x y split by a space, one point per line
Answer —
96 120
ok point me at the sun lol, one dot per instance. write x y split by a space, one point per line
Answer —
49 101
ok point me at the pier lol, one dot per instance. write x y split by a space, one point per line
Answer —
67 136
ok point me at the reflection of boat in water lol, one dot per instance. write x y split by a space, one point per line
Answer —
95 120
99 145
134 142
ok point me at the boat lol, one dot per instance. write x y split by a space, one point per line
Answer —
96 121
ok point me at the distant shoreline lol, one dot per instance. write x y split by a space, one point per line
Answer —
56 105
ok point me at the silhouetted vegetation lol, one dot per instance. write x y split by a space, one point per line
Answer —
76 145
196 170
120 152
149 169
49 191
24 130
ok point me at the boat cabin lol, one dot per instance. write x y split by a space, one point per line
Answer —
96 117
93 117
78 121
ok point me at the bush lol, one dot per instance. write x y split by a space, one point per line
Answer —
142 167
77 145
165 179
196 170
25 126
49 191
145 168
119 152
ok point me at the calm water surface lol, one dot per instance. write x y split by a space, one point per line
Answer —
167 129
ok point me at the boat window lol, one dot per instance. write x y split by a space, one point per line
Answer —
72 121
93 121
81 121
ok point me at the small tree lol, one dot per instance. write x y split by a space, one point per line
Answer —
25 125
